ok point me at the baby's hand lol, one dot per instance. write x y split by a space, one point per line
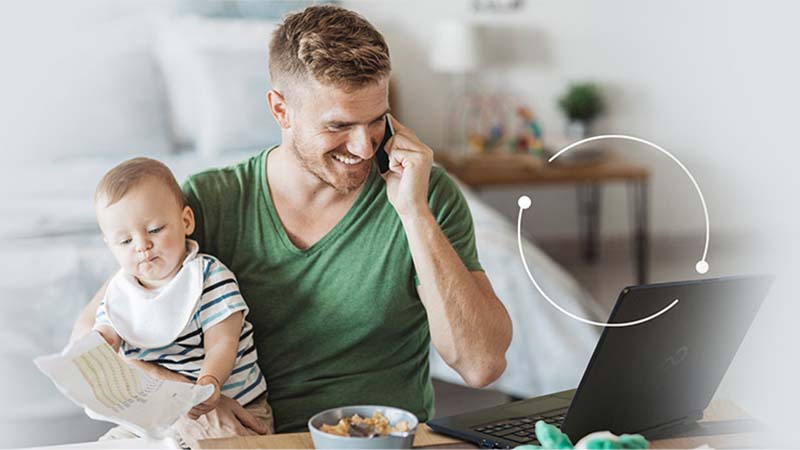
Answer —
211 403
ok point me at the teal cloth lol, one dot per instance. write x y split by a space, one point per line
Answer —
551 437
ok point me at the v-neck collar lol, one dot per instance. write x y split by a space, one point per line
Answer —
334 232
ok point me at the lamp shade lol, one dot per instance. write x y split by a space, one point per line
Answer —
454 48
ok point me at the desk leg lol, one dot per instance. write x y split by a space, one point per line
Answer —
641 238
589 220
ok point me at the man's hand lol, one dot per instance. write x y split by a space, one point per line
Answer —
211 403
228 419
410 164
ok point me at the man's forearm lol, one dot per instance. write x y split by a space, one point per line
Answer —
470 328
85 321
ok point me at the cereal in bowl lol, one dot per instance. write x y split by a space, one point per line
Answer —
357 426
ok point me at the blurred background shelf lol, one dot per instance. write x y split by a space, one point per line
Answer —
488 170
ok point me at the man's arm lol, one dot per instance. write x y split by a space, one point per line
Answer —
470 327
230 418
85 320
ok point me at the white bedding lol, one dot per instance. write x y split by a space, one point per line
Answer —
53 260
55 198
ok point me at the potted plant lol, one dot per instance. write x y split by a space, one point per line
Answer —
581 103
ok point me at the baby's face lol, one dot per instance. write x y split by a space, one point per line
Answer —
146 231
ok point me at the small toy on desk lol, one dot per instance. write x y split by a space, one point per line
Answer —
529 139
552 438
500 124
476 142
479 143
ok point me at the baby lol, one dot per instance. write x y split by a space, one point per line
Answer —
169 304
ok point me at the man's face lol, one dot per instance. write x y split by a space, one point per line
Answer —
334 134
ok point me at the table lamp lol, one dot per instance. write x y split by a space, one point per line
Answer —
454 52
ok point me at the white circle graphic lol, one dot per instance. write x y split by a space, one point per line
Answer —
556 306
525 202
702 266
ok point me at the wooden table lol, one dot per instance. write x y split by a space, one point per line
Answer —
506 170
424 438
719 410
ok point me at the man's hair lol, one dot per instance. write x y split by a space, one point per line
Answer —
332 45
132 173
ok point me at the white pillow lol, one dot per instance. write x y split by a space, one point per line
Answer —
87 88
217 77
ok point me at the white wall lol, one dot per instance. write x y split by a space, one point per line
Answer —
714 82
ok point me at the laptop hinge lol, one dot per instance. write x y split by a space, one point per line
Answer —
672 427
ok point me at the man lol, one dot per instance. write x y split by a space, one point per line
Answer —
350 275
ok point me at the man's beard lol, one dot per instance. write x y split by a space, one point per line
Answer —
323 168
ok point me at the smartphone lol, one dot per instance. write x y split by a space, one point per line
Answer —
381 157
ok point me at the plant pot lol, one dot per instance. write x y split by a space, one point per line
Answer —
577 130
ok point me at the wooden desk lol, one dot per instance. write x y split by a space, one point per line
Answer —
425 438
505 170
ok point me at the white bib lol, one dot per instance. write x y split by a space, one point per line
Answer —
153 318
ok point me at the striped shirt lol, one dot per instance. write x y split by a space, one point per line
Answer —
220 299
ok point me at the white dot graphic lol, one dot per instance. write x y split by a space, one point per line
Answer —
701 267
524 202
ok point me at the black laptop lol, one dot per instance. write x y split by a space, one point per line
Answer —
655 378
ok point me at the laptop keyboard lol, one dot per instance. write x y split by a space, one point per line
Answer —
520 429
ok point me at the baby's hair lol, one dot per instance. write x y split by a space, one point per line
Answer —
130 174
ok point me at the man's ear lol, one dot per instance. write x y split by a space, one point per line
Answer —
188 220
279 108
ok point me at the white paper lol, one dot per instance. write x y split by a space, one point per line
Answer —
95 377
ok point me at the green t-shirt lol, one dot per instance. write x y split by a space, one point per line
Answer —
341 322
